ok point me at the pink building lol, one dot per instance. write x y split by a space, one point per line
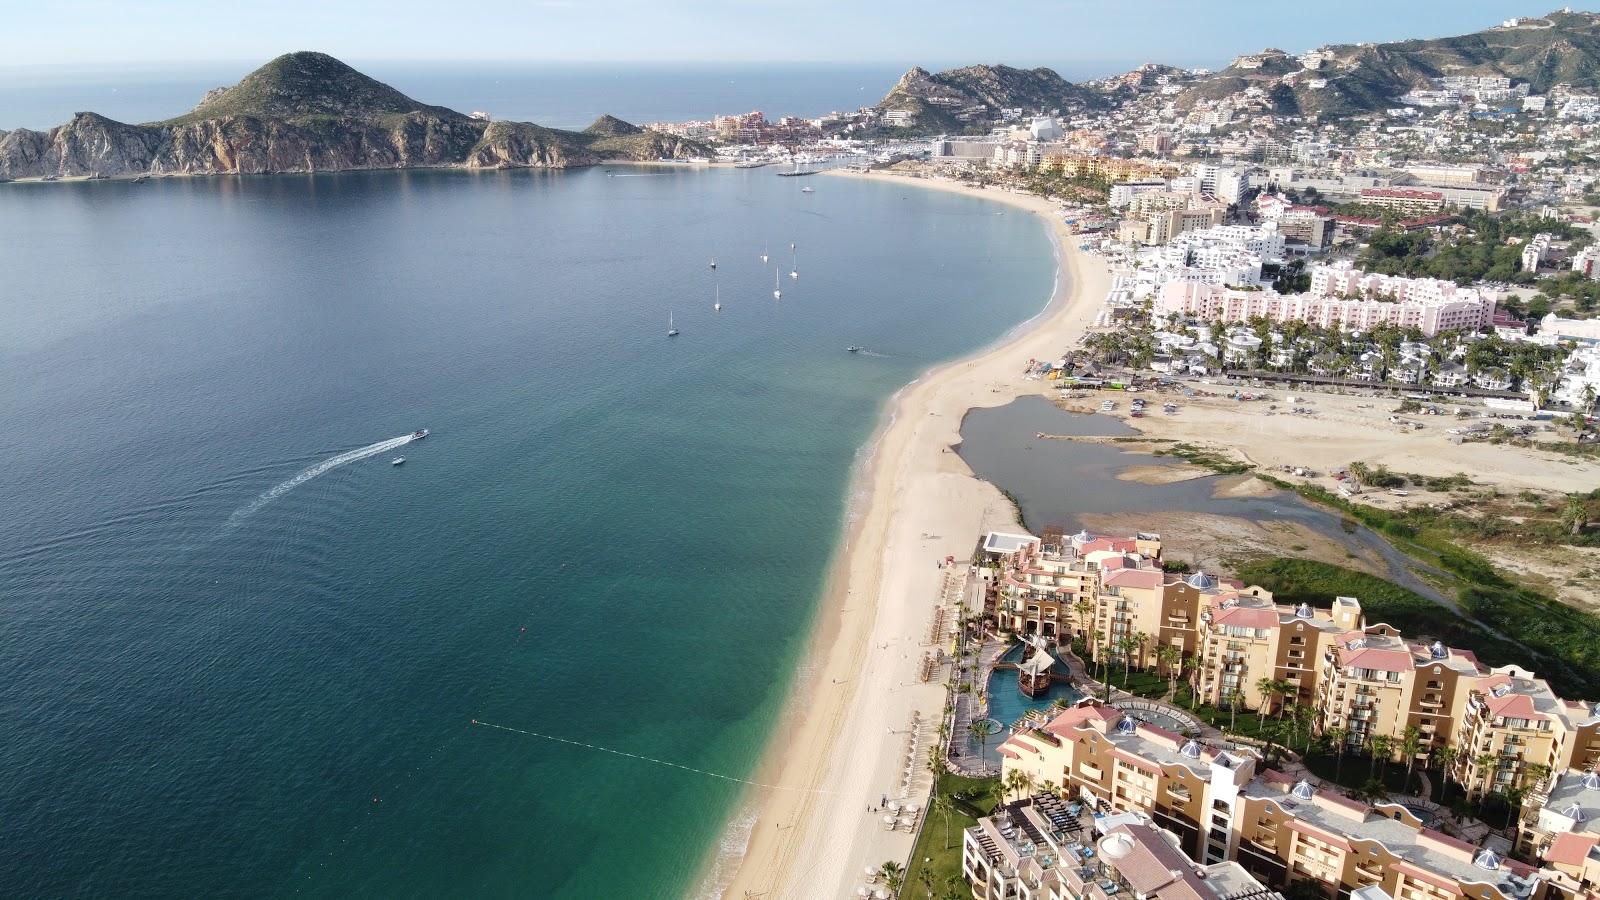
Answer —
1340 297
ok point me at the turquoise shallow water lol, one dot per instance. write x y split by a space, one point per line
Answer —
210 689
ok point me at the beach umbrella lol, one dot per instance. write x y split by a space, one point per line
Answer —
906 821
863 891
881 894
893 806
888 820
912 807
871 873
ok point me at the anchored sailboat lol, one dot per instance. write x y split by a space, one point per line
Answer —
777 290
794 262
717 296
672 330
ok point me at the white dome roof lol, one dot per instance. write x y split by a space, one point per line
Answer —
1115 846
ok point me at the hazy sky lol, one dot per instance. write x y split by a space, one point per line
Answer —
1035 32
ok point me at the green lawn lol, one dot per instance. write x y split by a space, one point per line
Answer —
944 854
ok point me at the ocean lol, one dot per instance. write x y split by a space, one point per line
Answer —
242 653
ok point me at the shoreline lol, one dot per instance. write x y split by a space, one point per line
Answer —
835 749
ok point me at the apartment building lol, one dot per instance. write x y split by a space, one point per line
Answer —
1217 808
1052 589
1244 638
1536 251
1514 731
1288 831
1111 762
1112 168
1463 309
1406 201
1035 850
1561 825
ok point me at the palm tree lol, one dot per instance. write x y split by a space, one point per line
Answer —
1127 645
1336 736
1051 788
1446 757
1410 746
944 807
1232 695
1513 795
1382 750
1084 610
1268 688
982 729
925 877
1482 765
1170 658
1536 771
894 875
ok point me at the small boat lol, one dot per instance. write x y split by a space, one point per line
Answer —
777 291
808 189
672 330
419 434
717 300
398 460
794 263
713 262
852 349
763 252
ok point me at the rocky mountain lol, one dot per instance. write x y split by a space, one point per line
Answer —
309 112
948 100
1563 47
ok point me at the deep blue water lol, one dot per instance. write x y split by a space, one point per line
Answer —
610 536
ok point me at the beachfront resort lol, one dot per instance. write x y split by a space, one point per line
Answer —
1374 764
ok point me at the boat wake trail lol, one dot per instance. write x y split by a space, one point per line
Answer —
332 462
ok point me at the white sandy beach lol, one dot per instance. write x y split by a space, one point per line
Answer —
838 751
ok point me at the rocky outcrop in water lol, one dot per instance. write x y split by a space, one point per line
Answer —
308 112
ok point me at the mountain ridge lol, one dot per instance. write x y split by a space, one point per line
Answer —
309 112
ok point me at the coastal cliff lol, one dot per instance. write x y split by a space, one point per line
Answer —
308 112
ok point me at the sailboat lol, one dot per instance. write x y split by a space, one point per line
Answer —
672 330
713 262
777 291
763 251
718 304
794 262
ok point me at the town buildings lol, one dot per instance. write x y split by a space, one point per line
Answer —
1111 598
1216 807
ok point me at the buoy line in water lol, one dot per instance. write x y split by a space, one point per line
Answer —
648 759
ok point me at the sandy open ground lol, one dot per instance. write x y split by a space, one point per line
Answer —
838 751
1339 429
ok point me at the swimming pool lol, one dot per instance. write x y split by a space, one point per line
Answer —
1007 702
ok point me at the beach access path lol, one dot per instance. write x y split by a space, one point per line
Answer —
841 746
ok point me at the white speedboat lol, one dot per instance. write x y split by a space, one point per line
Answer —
398 460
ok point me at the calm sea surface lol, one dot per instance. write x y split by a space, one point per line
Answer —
230 666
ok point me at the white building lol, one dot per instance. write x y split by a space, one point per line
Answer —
1123 193
1045 128
1534 253
1222 182
1582 330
